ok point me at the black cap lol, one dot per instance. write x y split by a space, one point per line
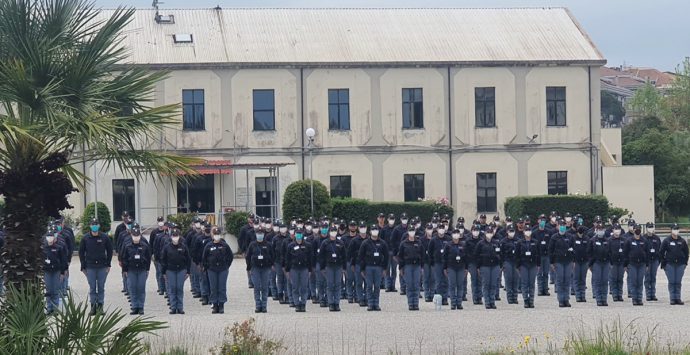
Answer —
496 218
429 226
94 222
391 216
381 215
567 214
561 222
509 219
324 217
175 233
542 216
631 222
362 224
160 219
353 223
461 219
125 214
482 215
650 225
435 214
403 215
136 230
616 226
333 229
675 226
374 227
614 218
446 216
476 227
511 229
582 229
553 214
216 231
410 229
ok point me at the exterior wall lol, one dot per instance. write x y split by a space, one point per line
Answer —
620 181
574 162
611 137
432 165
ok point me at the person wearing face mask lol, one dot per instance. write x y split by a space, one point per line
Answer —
650 274
399 234
67 235
216 260
386 234
121 227
674 259
373 261
542 236
95 254
355 264
332 261
528 262
54 268
320 236
561 255
428 281
244 239
599 264
200 243
136 263
487 253
473 265
350 274
436 260
298 263
278 246
123 239
176 264
580 262
271 231
636 253
190 239
291 238
455 268
509 259
410 259
154 237
260 259
617 271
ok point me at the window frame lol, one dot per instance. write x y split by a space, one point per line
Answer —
484 205
481 101
127 185
410 190
557 184
555 104
413 103
347 192
256 110
195 107
342 110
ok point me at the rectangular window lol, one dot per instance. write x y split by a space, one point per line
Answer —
123 198
486 192
196 195
339 109
557 182
266 204
341 186
485 107
555 106
264 110
413 108
193 110
414 187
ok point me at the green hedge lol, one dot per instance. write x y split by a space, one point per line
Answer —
364 210
183 220
234 222
588 206
103 217
297 200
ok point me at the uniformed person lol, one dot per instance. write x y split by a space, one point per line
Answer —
216 260
393 240
156 234
674 259
95 254
428 281
278 244
410 258
487 253
473 265
436 260
54 268
528 262
650 275
124 238
509 259
259 258
373 259
455 268
580 262
190 239
636 253
136 263
333 262
198 246
561 254
355 264
599 264
176 265
320 237
66 233
616 245
298 264
543 237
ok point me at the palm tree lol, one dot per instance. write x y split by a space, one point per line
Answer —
67 96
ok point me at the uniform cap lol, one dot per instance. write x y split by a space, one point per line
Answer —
650 225
160 219
94 222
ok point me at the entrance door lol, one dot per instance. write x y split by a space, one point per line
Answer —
196 196
265 196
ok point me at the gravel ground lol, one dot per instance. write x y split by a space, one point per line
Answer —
394 329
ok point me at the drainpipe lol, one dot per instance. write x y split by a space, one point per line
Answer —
591 153
301 104
450 139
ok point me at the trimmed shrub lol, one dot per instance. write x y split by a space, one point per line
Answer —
588 206
183 220
234 221
104 217
297 201
364 210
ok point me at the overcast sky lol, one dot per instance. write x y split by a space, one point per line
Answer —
651 33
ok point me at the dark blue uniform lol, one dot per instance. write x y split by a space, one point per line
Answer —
651 272
580 266
528 261
410 258
488 256
510 271
260 260
455 267
216 260
674 259
95 254
436 260
176 265
600 264
333 262
617 272
298 263
54 267
636 253
373 261
561 258
136 262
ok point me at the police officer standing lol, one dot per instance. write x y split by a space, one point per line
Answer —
259 263
581 263
136 262
176 264
528 262
636 261
616 245
473 265
599 264
332 260
410 259
373 259
198 247
561 254
54 268
650 275
95 253
487 253
216 260
298 264
455 268
543 237
674 259
509 258
436 260
155 241
356 265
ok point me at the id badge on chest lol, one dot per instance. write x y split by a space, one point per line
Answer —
376 254
457 258
543 242
497 250
47 261
260 257
620 250
334 255
652 250
528 253
137 257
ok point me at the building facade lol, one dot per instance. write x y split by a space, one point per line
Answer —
475 105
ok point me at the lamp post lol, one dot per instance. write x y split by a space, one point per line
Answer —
310 133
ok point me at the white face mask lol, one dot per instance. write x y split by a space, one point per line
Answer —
161 224
675 231
456 236
136 240
410 234
391 222
441 231
418 225
175 240
197 225
475 233
650 230
489 235
462 230
528 233
362 230
333 234
616 232
374 233
403 221
283 230
299 226
568 219
435 225
216 237
511 234
50 239
309 228
553 219
276 228
429 231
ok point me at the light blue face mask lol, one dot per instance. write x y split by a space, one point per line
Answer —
259 237
95 228
562 229
324 231
299 236
542 224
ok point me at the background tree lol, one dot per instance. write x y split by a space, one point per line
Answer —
612 110
297 200
646 101
66 96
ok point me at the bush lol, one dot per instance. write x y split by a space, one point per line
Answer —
297 201
364 210
103 217
242 338
183 220
586 205
234 221
617 211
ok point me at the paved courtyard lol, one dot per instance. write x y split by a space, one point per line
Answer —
394 329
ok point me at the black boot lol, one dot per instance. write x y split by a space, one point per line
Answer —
221 308
337 308
173 311
93 309
141 311
134 311
99 308
204 300
214 310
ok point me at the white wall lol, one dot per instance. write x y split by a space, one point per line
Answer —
631 187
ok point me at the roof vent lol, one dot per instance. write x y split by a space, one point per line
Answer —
183 38
165 19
